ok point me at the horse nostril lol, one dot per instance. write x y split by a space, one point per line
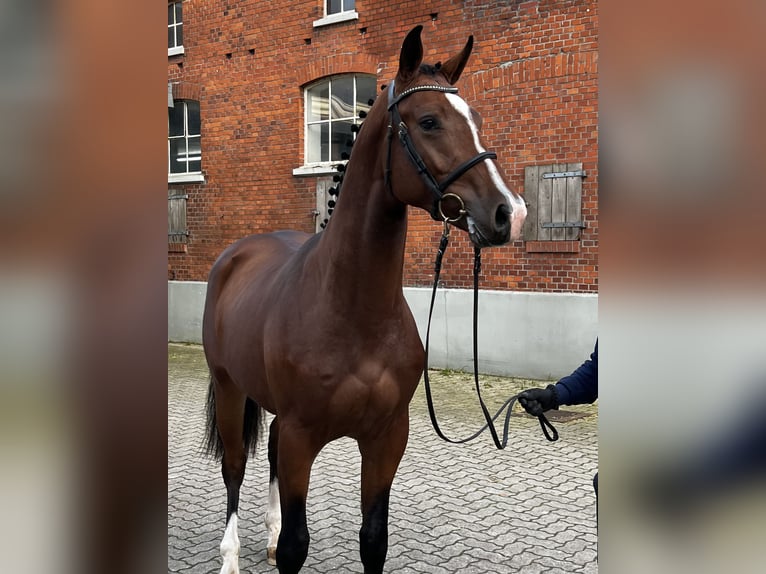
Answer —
502 216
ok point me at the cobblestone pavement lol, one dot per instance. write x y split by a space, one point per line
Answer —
454 508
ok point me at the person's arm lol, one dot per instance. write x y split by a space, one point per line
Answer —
578 388
581 387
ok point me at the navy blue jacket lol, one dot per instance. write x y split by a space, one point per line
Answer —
581 386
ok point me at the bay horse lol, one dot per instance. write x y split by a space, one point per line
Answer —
315 328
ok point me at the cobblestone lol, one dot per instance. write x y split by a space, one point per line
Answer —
454 508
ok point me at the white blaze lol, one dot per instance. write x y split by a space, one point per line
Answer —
516 203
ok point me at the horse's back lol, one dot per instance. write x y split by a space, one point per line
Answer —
256 253
242 274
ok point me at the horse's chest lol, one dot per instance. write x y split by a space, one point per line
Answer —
367 399
361 381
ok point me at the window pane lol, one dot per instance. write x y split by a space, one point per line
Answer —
342 98
179 35
170 14
317 102
192 110
178 155
365 91
179 18
171 37
176 119
348 4
342 139
195 150
317 143
195 155
333 6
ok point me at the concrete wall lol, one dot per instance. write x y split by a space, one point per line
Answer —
534 335
186 301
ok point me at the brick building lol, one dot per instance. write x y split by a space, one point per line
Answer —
246 156
261 103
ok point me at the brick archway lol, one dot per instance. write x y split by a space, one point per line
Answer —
341 64
186 91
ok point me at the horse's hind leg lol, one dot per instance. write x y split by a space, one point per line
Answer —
273 518
380 459
235 420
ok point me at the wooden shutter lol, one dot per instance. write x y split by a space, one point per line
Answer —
323 213
553 194
177 231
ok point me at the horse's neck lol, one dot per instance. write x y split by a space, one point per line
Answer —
362 248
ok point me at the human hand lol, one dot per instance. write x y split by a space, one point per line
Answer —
537 401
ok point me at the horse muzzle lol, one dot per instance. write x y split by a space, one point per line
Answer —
497 228
518 216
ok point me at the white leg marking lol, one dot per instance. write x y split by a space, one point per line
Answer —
273 522
230 547
516 203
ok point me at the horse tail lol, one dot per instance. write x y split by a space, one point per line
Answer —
252 427
213 445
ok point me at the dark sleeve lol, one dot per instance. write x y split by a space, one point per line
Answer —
581 386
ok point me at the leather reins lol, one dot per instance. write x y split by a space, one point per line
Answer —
548 429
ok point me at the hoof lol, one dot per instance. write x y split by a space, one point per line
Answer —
230 567
271 556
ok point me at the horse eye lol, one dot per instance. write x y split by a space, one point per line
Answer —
428 124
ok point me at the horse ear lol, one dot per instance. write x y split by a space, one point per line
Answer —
410 57
453 67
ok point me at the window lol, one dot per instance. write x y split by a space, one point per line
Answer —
184 149
332 108
337 11
338 6
175 29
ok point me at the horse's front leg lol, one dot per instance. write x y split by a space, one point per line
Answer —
296 450
380 459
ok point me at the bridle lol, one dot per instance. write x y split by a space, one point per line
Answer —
438 190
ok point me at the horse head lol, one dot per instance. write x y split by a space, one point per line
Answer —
441 165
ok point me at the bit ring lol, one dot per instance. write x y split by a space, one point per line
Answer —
461 211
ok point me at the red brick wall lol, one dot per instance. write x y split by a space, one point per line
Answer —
533 76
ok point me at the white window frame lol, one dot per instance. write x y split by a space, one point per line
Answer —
178 48
324 167
336 17
188 176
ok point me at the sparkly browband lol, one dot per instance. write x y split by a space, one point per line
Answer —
392 101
